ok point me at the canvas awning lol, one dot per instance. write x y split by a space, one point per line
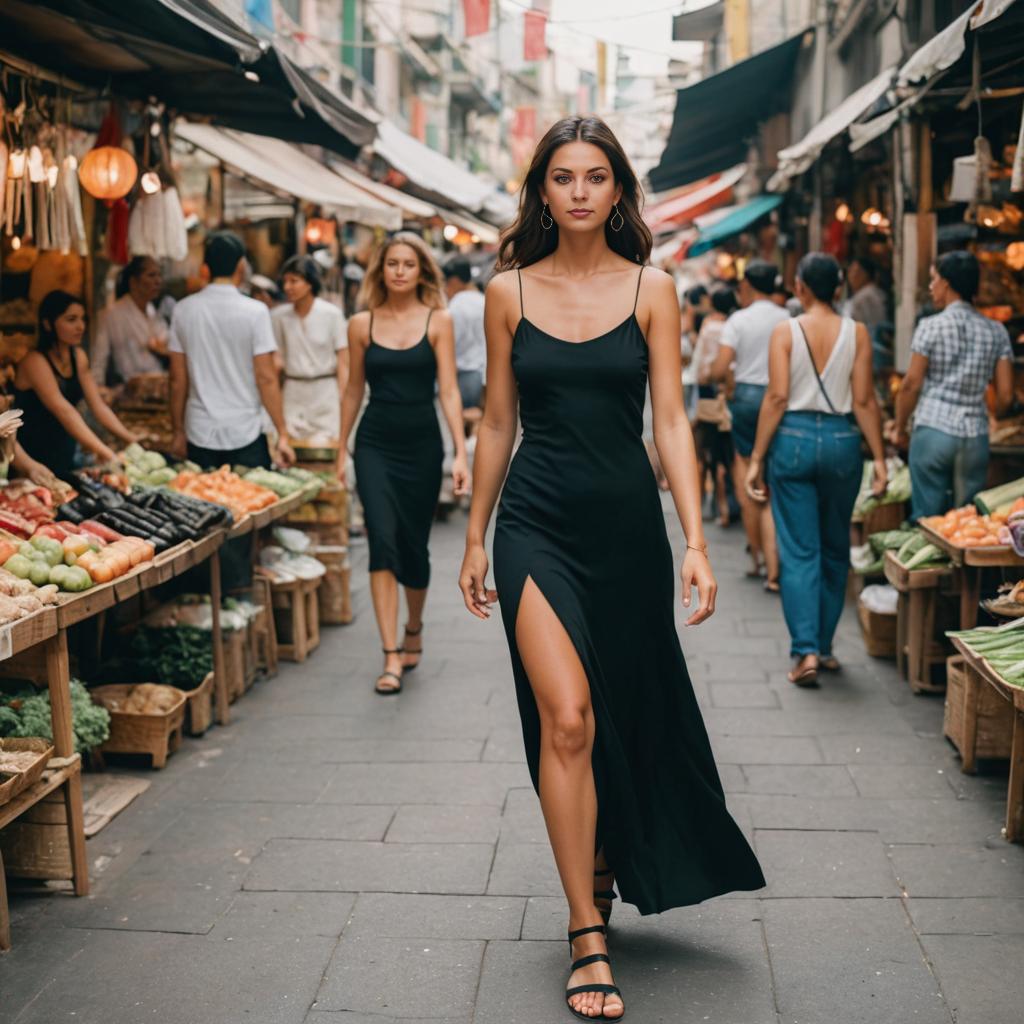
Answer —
716 118
703 196
737 220
415 209
283 168
795 159
487 233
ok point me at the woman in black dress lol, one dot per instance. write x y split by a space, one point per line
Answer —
614 738
402 346
49 384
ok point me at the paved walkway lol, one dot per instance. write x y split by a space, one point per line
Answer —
338 858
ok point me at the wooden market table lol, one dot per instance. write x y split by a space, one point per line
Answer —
972 562
978 669
917 649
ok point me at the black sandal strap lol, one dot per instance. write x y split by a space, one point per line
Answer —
586 961
393 650
608 990
390 675
573 936
413 632
605 894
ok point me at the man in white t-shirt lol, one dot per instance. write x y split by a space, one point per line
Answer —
222 368
466 305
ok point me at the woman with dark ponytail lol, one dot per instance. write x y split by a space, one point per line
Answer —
614 739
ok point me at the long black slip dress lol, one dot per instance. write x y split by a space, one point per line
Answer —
398 458
581 516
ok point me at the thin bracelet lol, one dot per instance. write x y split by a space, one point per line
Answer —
703 549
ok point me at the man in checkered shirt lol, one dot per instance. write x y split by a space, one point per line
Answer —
954 355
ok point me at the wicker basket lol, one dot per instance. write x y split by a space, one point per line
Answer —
993 734
199 707
879 632
335 588
13 784
157 734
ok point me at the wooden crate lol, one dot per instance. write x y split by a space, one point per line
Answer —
35 844
296 611
264 635
199 707
978 719
879 632
14 784
234 662
335 594
157 735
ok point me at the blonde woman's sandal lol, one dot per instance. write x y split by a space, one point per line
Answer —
389 688
414 653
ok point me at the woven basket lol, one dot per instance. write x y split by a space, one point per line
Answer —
879 632
157 734
12 785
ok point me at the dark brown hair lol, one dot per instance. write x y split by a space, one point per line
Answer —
525 241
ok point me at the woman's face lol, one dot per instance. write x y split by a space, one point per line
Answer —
296 287
579 188
401 269
148 284
70 325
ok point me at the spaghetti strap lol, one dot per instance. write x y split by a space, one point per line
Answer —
636 299
522 308
426 330
369 336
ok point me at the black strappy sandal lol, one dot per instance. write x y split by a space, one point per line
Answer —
584 961
417 654
389 690
606 895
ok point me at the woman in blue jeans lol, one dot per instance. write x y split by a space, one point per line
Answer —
819 383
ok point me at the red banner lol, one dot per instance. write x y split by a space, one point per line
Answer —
535 24
523 134
477 16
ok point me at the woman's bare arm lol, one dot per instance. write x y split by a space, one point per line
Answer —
355 387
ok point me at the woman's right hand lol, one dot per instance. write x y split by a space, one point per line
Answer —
473 582
880 478
341 467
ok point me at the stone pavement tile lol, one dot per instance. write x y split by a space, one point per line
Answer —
431 823
849 962
766 750
386 915
812 721
524 869
522 820
877 750
980 976
303 865
708 644
285 913
424 784
320 750
990 786
251 781
968 915
732 778
694 964
347 1017
910 781
799 780
742 695
964 870
204 881
110 977
824 864
505 744
293 821
421 978
739 668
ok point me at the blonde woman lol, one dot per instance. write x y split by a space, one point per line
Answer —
401 345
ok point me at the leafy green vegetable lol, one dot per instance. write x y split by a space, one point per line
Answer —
89 721
179 656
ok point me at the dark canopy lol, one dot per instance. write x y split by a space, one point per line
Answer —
189 55
716 118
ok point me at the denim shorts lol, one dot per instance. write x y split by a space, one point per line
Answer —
745 408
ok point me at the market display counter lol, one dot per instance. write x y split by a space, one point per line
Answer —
972 562
979 672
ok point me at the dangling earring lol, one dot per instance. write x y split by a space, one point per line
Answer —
546 220
611 220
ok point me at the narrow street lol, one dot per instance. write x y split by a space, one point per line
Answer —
337 858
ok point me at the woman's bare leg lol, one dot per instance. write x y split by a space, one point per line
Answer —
751 511
568 795
384 590
413 642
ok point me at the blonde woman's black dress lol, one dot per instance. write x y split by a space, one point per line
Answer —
581 516
398 458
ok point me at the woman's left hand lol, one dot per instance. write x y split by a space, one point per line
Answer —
696 572
460 475
755 481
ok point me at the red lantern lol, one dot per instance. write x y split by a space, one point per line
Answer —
108 172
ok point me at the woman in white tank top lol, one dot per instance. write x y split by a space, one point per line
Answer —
820 382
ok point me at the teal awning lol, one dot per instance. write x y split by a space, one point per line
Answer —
733 223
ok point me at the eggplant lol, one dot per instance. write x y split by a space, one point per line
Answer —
69 512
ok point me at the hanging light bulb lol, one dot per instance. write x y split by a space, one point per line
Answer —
16 164
843 213
450 231
51 175
150 183
71 162
15 243
36 167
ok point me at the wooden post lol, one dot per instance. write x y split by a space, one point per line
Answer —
1015 789
220 682
970 595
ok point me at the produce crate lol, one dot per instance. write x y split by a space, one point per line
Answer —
978 720
264 635
199 709
335 595
11 785
879 632
296 618
882 517
158 734
35 844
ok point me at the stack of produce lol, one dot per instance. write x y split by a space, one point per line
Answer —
160 517
146 469
967 528
911 546
223 487
284 485
179 655
897 491
24 506
1002 647
142 699
27 713
1001 500
325 514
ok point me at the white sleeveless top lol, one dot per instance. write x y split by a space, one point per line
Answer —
804 393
